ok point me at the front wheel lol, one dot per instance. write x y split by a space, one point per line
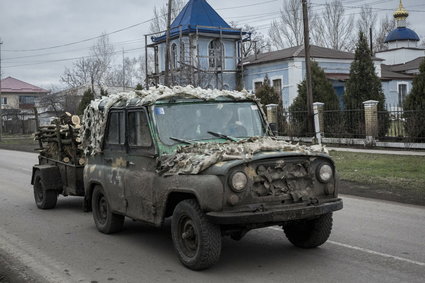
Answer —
196 240
106 221
44 199
309 233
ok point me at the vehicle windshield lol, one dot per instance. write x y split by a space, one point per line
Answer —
186 122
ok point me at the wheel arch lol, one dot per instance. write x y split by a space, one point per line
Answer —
88 194
174 197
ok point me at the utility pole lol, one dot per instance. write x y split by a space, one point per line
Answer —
370 41
1 102
123 71
308 69
167 46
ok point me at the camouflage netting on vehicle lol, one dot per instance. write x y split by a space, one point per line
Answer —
94 119
195 158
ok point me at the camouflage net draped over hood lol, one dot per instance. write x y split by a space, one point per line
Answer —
94 119
195 158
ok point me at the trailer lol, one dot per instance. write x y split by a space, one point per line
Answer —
60 162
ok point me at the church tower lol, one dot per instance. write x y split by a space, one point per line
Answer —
402 42
204 50
402 36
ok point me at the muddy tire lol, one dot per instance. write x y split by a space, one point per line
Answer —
106 221
196 241
44 199
311 233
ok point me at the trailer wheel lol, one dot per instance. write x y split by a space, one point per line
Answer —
44 199
196 240
106 221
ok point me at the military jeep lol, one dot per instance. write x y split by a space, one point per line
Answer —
209 161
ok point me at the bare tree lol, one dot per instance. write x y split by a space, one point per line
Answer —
367 19
92 69
51 101
257 40
386 26
159 22
334 29
126 76
287 31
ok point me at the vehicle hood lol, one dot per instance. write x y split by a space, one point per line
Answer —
196 158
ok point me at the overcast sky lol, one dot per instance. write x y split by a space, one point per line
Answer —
36 24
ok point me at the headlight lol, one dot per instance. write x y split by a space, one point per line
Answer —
238 181
324 173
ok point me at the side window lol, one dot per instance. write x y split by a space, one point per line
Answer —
138 130
116 129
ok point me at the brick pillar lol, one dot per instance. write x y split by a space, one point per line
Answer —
371 120
272 116
319 123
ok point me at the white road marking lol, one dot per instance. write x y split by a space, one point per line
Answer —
367 250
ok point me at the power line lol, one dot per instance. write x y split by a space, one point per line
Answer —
70 59
120 30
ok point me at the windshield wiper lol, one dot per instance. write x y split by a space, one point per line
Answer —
180 140
223 136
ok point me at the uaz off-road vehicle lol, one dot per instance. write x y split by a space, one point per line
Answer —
208 160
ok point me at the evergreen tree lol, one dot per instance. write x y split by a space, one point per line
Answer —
322 92
268 95
362 85
139 86
414 107
87 98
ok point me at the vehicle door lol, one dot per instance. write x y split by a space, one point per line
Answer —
141 167
114 160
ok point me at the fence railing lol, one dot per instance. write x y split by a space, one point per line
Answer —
369 121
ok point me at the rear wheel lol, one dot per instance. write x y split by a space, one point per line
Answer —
309 233
196 240
106 221
44 199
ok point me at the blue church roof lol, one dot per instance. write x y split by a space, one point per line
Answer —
198 13
402 33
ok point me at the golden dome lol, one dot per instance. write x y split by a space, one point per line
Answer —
401 13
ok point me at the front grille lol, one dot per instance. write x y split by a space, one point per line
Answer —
286 179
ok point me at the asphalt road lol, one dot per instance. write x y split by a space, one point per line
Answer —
372 241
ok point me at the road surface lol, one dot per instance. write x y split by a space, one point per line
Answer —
372 241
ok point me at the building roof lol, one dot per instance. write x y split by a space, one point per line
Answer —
198 15
411 65
298 51
388 74
401 33
12 85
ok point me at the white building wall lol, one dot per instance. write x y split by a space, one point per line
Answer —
400 56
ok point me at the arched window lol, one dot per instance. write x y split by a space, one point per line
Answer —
215 54
174 56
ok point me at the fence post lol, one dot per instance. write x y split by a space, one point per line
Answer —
272 117
371 120
319 124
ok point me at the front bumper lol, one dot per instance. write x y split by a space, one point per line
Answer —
274 215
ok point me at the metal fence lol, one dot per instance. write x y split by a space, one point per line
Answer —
17 122
349 123
394 124
405 125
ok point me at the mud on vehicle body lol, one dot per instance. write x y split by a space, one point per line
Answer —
208 161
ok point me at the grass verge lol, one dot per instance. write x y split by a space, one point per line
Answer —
393 177
19 142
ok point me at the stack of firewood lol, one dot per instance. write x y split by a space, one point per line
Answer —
61 140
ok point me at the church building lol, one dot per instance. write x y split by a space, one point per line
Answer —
205 51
